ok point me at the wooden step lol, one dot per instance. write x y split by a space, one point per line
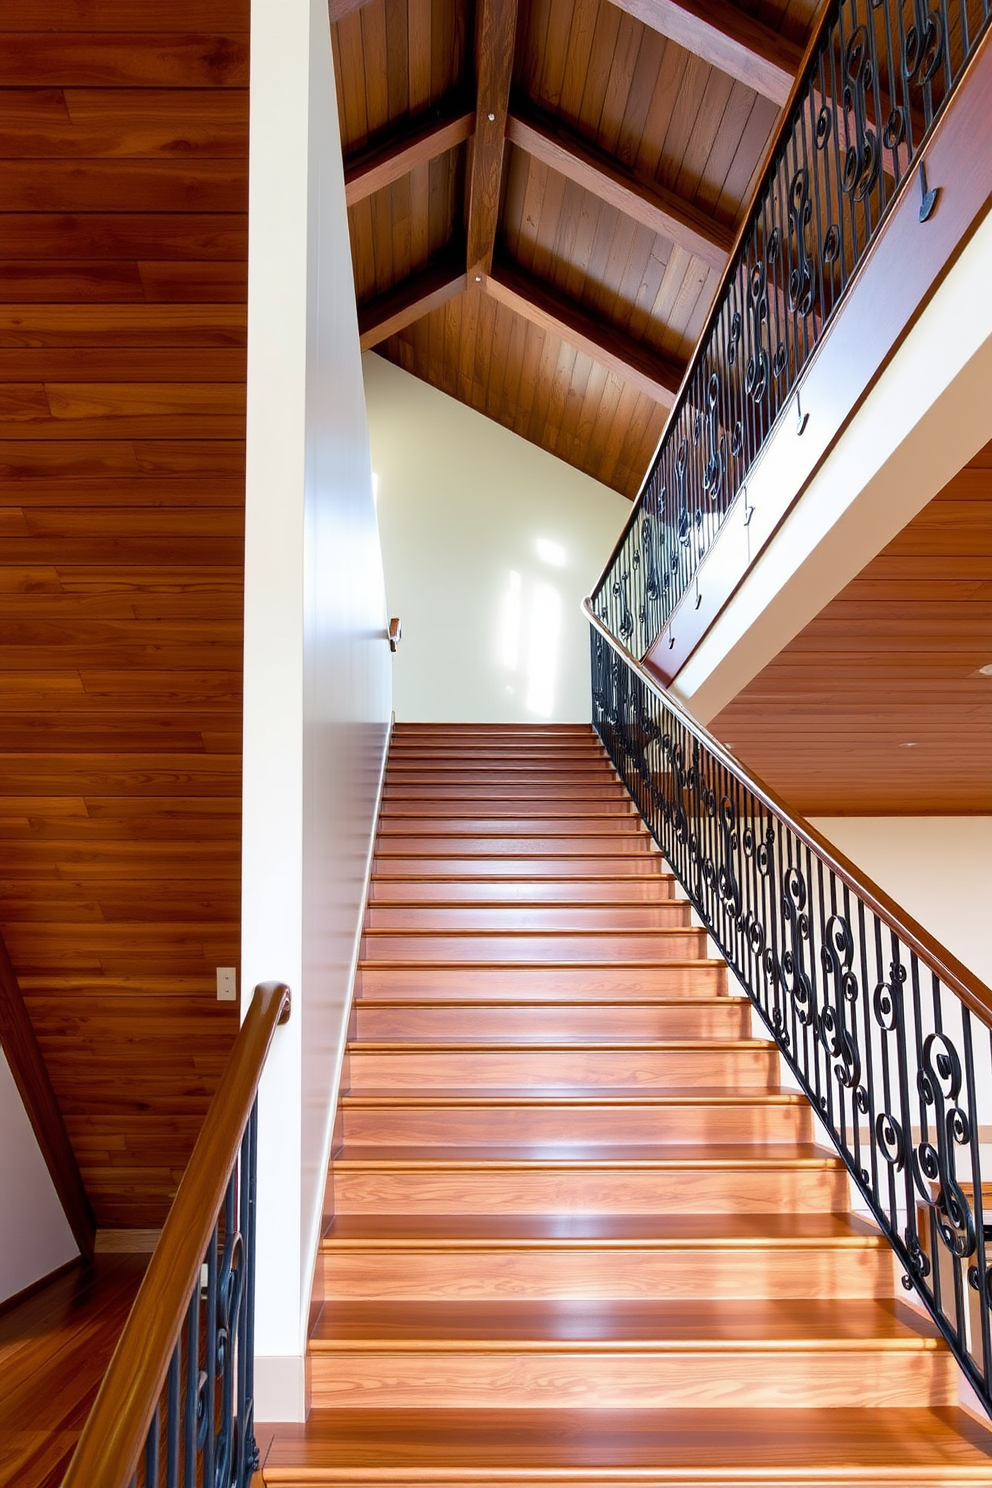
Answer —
419 1117
480 918
659 1354
385 1020
671 979
655 1065
452 843
465 864
519 948
497 1257
610 793
516 824
733 1447
565 892
689 1179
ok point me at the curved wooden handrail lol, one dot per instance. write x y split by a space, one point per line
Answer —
955 976
114 1435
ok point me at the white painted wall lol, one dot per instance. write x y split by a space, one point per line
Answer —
464 505
927 415
317 677
939 868
35 1238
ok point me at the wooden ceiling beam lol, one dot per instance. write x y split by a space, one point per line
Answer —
659 210
408 301
495 42
650 373
412 145
727 39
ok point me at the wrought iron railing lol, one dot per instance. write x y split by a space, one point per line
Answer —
175 1409
877 77
889 1036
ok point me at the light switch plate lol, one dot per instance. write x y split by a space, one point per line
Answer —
227 984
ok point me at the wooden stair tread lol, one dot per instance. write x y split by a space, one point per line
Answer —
701 1000
565 1095
578 1155
599 1231
895 1445
449 1046
693 1324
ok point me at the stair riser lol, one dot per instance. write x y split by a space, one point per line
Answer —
451 1126
504 845
564 791
498 891
579 984
612 1274
754 1379
722 1020
511 824
673 913
486 808
600 948
606 1190
514 864
645 1069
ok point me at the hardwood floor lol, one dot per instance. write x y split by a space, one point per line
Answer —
580 1234
54 1350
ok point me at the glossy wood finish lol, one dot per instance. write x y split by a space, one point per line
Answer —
54 1349
669 1250
576 229
116 1428
123 265
34 1085
865 698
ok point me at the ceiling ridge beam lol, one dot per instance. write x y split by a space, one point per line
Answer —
412 298
656 208
495 44
727 38
543 306
414 143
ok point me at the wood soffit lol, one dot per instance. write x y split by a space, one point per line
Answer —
543 195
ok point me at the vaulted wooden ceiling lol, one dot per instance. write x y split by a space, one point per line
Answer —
543 195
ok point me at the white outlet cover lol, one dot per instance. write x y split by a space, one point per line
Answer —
227 984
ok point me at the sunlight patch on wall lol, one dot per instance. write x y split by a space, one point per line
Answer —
528 632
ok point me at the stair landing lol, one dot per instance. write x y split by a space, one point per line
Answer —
581 1235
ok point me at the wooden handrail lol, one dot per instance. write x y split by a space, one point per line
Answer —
953 973
27 1065
114 1435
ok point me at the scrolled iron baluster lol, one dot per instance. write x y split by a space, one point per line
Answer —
802 284
713 471
794 976
934 1163
923 51
837 957
758 369
861 158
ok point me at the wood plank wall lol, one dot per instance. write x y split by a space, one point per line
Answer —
123 239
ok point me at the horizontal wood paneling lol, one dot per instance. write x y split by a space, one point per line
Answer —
123 246
854 716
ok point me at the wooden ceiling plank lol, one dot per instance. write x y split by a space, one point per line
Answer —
655 208
727 39
652 375
415 297
411 146
495 42
338 9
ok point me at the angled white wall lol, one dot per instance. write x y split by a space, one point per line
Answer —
489 545
35 1238
317 677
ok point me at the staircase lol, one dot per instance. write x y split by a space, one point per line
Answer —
580 1233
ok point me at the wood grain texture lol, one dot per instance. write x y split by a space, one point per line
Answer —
726 37
54 1348
610 178
123 258
867 695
